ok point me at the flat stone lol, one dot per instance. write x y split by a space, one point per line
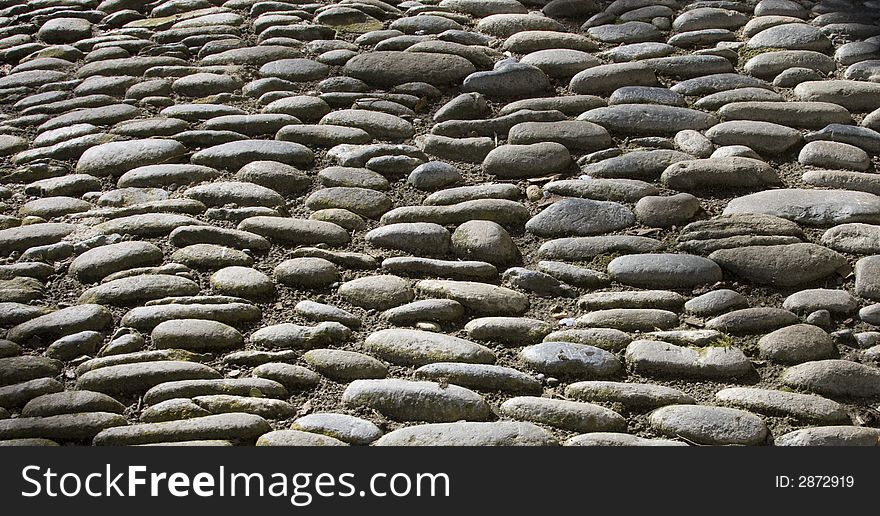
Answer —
345 366
532 160
632 395
196 335
627 32
389 68
349 429
292 377
238 427
174 389
645 165
508 78
617 439
377 292
804 407
71 402
660 299
716 302
406 400
129 379
783 265
289 335
799 114
362 201
834 378
425 310
235 155
307 273
485 240
837 302
716 173
629 319
568 415
137 289
811 207
659 358
587 248
572 360
296 438
116 158
797 343
511 330
574 275
648 119
379 125
295 231
415 347
154 176
95 264
765 138
792 36
710 425
767 65
24 237
62 427
619 190
580 217
418 238
830 436
666 211
749 321
480 298
855 96
502 433
481 377
664 270
44 329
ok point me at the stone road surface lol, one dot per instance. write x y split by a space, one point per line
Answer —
440 222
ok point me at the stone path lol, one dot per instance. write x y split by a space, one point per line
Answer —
488 222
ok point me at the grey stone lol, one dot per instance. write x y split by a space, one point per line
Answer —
717 173
797 343
482 377
415 347
648 119
630 319
572 360
425 310
533 160
834 378
710 425
417 401
664 270
749 321
783 265
418 238
805 407
240 427
480 298
580 217
659 358
830 436
349 429
345 366
502 433
632 395
568 415
377 292
807 301
717 302
289 335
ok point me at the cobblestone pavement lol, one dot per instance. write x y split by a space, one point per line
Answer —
490 222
